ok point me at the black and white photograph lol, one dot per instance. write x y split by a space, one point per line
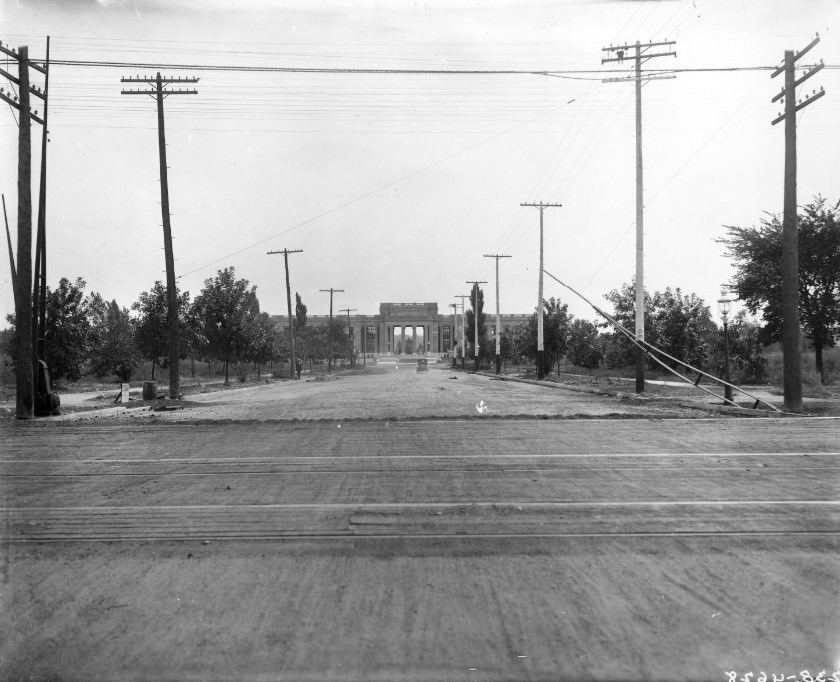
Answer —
420 341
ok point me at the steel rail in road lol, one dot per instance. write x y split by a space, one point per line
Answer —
522 519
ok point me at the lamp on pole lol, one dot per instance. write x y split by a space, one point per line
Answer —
724 307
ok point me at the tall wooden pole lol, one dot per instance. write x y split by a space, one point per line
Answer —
498 314
643 52
640 230
40 289
792 359
329 330
286 253
24 374
540 336
158 93
169 255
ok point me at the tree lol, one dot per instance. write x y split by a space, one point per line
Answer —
262 334
585 347
222 312
757 252
477 304
556 321
745 349
112 349
680 325
300 313
67 331
152 325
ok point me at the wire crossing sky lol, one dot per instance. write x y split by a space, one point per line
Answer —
394 143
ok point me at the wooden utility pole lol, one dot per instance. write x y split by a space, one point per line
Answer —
349 335
159 92
474 297
540 342
26 348
454 334
498 314
792 361
642 54
24 371
39 320
286 253
329 329
463 329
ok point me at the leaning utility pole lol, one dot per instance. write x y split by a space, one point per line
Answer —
474 297
349 335
540 343
792 361
498 315
329 329
463 329
286 253
158 92
641 54
11 251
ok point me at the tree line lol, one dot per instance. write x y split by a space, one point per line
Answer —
682 325
88 334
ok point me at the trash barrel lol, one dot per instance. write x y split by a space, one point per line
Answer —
149 390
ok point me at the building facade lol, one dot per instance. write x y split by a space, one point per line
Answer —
402 329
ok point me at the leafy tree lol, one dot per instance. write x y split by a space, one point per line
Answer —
477 306
262 334
757 252
68 329
680 325
112 349
300 313
152 325
585 348
222 312
683 327
745 349
619 351
556 321
511 345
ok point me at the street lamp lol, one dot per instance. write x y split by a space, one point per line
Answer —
724 306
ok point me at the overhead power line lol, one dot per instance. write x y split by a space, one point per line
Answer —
101 63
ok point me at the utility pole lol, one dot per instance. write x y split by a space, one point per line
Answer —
286 253
11 251
39 321
498 314
454 306
158 91
642 53
792 361
349 335
474 298
26 347
329 329
463 330
540 343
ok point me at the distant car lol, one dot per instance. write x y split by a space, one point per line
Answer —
422 365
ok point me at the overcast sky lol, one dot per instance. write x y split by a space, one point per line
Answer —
395 185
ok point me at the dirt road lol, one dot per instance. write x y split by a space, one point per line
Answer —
428 549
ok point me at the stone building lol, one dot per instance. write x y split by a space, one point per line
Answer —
402 329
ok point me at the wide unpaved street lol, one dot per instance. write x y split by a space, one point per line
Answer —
405 526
